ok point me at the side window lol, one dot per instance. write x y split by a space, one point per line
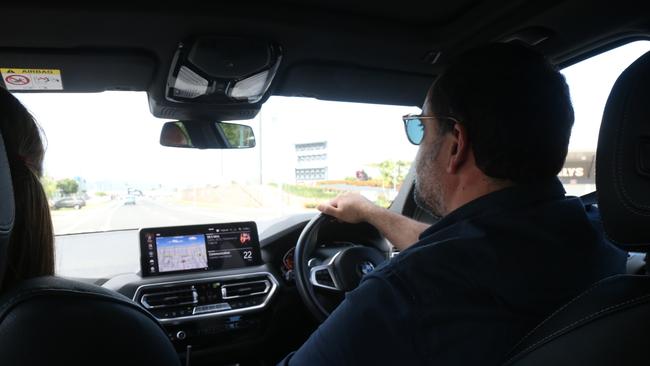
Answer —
590 82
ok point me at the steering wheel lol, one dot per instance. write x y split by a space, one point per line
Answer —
324 273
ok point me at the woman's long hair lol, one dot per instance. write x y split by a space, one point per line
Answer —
30 252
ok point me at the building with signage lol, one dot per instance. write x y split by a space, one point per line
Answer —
579 172
311 162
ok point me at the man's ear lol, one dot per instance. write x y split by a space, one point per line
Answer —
459 149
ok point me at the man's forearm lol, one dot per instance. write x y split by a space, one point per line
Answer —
400 230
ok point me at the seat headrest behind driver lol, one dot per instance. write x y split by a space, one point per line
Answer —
623 159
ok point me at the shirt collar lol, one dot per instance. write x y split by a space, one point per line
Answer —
507 198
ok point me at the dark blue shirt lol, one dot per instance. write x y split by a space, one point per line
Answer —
476 282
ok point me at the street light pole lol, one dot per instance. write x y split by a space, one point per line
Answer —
260 144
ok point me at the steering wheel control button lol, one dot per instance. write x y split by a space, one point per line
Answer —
323 277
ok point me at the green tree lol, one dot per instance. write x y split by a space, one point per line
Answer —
402 167
393 172
238 135
67 186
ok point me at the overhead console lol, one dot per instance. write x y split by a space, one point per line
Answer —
222 70
217 78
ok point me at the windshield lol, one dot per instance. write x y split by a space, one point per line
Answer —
105 169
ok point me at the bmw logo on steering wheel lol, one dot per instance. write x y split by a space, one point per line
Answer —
366 267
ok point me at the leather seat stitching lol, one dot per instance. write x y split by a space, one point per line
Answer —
618 177
588 317
548 318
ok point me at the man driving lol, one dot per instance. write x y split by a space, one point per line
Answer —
509 247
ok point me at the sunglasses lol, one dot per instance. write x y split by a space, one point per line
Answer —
415 128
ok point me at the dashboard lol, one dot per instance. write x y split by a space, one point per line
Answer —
200 248
224 289
221 287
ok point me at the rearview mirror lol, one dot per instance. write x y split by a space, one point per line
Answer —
207 135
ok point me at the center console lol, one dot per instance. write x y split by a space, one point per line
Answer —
208 305
207 297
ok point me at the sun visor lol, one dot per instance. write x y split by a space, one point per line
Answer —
354 84
75 71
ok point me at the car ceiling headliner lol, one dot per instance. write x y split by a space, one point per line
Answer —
360 51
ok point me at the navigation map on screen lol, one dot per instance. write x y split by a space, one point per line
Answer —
178 249
177 253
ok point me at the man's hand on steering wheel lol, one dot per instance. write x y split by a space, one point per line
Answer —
349 207
353 208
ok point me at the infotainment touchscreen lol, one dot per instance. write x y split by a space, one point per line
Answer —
177 249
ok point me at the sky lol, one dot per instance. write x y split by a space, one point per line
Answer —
590 82
112 136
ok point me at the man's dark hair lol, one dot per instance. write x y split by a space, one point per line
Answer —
515 106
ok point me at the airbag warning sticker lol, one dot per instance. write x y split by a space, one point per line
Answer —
31 79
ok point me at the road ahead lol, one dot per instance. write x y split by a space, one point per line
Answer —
114 215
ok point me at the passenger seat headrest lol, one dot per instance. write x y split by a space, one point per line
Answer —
623 159
6 207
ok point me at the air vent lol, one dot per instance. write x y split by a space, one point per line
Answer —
207 297
170 297
243 289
